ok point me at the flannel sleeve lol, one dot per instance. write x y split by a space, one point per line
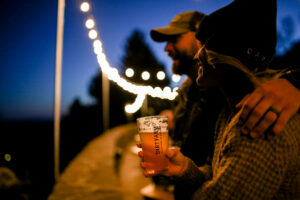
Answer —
249 170
194 177
244 168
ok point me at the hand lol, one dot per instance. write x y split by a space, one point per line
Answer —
257 116
177 163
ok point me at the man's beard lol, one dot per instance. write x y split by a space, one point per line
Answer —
184 65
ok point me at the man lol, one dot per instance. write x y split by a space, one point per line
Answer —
195 109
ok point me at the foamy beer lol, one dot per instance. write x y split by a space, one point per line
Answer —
153 131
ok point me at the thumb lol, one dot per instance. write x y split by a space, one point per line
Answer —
172 152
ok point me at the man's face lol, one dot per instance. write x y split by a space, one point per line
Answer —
182 48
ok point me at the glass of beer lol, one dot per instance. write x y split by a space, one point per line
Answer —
153 131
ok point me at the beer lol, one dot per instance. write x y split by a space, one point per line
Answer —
153 131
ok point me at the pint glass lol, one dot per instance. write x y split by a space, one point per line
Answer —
153 131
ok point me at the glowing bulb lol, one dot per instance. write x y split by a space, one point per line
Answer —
160 75
113 74
167 89
129 72
93 34
85 6
145 75
90 23
97 44
158 92
176 78
7 157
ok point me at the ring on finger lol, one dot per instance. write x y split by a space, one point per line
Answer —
274 110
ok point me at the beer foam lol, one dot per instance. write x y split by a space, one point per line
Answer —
153 123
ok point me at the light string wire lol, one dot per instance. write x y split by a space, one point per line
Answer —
113 74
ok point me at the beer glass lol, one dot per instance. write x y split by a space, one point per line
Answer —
153 131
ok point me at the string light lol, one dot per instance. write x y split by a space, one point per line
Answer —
113 74
136 105
129 72
90 23
145 75
85 7
160 75
176 78
7 157
93 34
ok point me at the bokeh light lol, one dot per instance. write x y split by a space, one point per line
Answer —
129 72
160 75
7 157
85 7
90 23
176 78
145 75
93 34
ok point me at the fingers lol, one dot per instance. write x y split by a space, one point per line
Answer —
141 154
172 152
283 118
148 172
268 108
143 165
241 103
255 116
260 119
264 124
139 145
176 164
249 102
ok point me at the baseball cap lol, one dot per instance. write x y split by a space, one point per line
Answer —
245 30
181 23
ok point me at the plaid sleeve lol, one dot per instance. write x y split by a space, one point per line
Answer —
243 168
243 174
250 169
194 177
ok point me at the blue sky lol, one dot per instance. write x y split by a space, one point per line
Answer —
28 39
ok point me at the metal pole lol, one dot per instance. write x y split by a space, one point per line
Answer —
105 101
144 108
58 70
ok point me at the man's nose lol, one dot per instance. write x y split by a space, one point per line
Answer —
169 46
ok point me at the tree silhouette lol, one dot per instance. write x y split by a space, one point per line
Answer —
285 34
289 59
140 58
118 98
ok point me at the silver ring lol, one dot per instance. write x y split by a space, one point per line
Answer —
274 110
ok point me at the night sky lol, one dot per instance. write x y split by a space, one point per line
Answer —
28 45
